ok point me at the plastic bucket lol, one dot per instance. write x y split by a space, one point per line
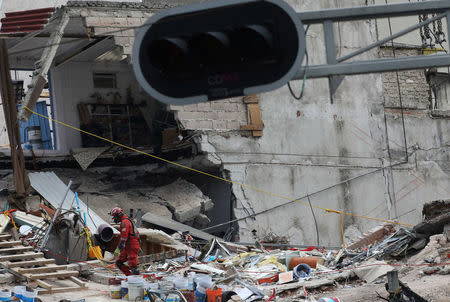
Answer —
181 283
18 291
135 291
332 299
173 298
5 295
135 279
124 289
29 295
214 295
202 278
200 297
302 271
115 291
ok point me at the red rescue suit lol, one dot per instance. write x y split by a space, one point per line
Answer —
129 237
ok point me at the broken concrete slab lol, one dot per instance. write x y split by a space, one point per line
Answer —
183 198
372 270
176 226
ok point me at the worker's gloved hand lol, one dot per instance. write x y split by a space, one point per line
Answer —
121 245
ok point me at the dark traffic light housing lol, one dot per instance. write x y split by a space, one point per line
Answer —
218 49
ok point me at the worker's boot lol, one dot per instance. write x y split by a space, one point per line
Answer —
135 271
124 268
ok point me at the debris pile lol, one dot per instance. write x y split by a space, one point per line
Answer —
65 246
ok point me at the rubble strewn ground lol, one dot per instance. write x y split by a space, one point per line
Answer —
177 260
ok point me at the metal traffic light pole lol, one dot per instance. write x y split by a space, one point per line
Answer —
335 69
190 54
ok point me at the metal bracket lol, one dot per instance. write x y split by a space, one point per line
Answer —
335 70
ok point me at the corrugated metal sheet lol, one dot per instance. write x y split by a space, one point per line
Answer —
26 21
53 189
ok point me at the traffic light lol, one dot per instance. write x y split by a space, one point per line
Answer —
218 49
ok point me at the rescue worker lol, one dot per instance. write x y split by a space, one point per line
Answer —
129 242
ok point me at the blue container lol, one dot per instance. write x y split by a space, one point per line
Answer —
199 297
302 271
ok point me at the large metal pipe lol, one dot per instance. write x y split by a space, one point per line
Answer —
105 232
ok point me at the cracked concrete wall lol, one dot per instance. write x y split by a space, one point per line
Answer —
317 151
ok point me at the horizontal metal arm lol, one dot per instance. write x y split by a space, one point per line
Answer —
376 11
382 41
374 66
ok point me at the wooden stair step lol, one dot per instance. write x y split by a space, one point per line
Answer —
17 249
42 269
10 243
5 236
23 264
55 290
61 274
21 256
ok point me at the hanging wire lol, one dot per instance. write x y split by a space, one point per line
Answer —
399 92
304 76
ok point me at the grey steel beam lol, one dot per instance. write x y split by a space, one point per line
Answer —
333 81
376 11
394 36
374 66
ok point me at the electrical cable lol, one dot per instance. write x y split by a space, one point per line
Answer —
304 76
399 91
303 82
315 221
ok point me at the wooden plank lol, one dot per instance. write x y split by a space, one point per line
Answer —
251 99
257 133
255 114
60 290
5 236
42 269
44 284
17 249
10 243
78 281
22 264
62 274
20 256
252 127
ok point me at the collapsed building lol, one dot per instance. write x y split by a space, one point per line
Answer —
378 152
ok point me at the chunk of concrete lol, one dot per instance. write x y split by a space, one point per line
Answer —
183 198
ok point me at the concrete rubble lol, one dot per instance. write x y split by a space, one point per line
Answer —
183 264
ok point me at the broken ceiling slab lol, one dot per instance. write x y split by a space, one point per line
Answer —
86 156
49 186
372 270
183 198
176 226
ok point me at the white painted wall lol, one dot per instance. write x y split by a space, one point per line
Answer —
328 144
72 83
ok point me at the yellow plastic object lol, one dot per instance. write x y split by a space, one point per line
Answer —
273 260
95 252
4 220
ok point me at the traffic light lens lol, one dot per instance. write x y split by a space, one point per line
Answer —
210 48
169 55
253 43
